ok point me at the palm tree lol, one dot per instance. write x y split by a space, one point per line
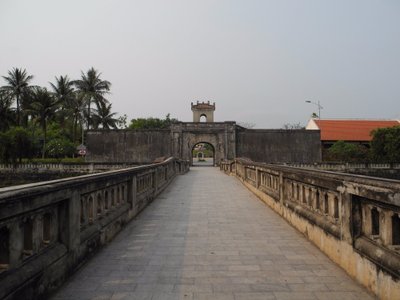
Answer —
43 106
76 109
104 117
64 92
93 89
17 86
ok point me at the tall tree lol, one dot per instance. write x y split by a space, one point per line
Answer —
76 110
17 86
93 89
43 107
64 92
104 117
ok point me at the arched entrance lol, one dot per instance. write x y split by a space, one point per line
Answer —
221 136
203 118
203 154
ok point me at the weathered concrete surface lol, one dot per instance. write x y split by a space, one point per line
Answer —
136 146
228 140
207 237
279 145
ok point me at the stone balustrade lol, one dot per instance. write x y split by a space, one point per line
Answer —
346 166
354 219
49 229
92 167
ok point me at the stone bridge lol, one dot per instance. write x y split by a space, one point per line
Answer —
314 235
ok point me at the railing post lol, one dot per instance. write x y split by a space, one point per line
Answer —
155 180
72 226
16 243
258 177
132 191
281 188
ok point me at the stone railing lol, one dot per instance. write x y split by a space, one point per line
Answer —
382 170
66 167
354 219
48 229
347 166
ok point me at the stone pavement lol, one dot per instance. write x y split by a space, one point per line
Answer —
208 237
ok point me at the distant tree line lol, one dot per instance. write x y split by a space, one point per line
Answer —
151 123
39 122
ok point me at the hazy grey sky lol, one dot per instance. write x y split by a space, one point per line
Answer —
259 60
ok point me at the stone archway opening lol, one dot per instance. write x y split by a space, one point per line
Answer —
203 118
203 154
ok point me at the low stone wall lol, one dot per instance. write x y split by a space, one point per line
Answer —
22 173
48 229
384 170
91 167
355 220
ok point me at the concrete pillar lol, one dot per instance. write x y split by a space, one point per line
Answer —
346 225
16 243
386 226
73 224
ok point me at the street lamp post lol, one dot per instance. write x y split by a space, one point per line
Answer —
319 107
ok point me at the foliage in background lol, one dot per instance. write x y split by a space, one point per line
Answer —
122 122
15 144
151 123
35 121
347 152
59 148
17 88
7 114
205 148
104 118
385 145
292 126
92 89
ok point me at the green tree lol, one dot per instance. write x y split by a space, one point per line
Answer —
151 123
63 90
76 110
385 144
60 147
122 122
5 147
16 144
43 107
104 117
7 115
347 152
93 89
17 86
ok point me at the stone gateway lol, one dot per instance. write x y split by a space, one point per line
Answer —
228 140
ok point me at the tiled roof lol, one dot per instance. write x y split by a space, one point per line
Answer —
351 130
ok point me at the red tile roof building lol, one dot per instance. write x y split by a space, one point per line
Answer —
348 130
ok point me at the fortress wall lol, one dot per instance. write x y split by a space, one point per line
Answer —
135 146
278 145
262 145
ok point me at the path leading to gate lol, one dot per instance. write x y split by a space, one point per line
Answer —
208 237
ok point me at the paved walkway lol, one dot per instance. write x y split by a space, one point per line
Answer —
208 237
